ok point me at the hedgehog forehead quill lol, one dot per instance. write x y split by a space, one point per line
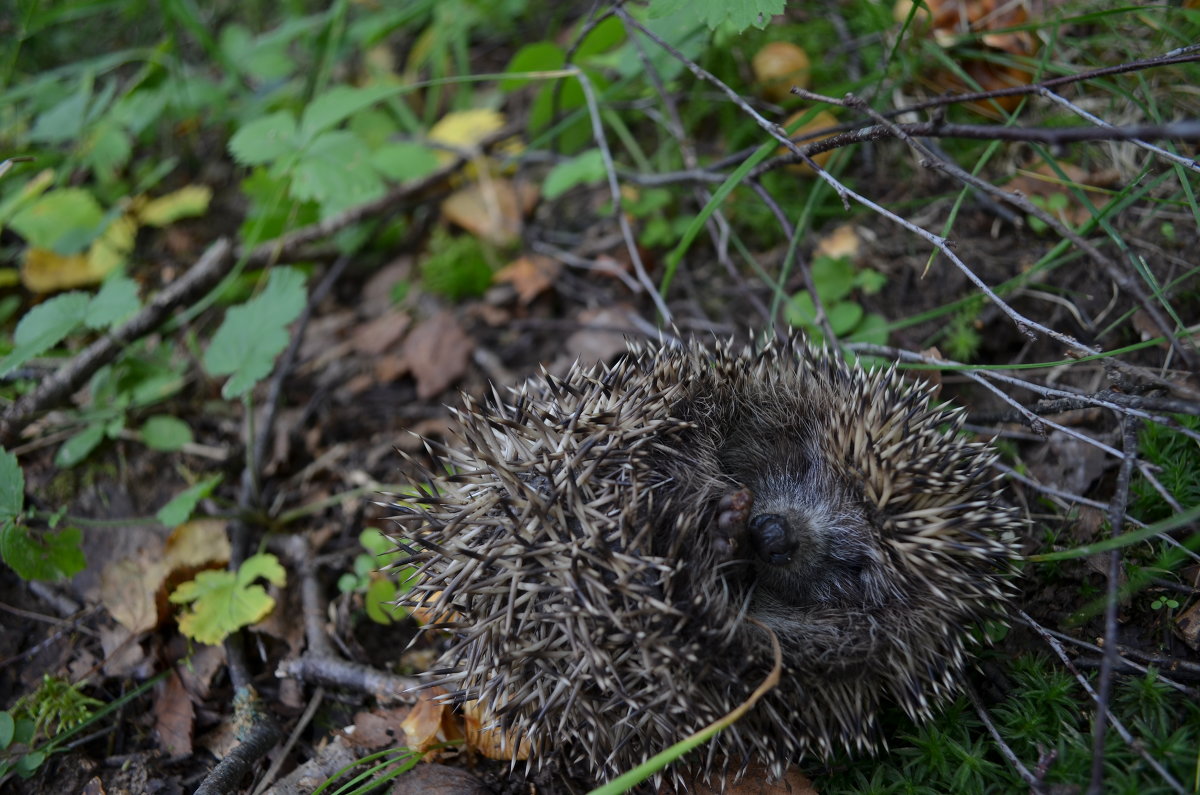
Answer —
614 548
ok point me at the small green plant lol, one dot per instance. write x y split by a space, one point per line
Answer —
835 278
46 555
56 707
1164 601
379 589
961 339
457 266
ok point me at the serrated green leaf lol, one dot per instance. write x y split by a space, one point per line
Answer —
254 333
223 602
166 433
64 121
106 148
336 105
714 13
12 486
79 446
404 160
265 139
542 56
45 326
116 300
50 555
181 506
586 168
58 214
336 172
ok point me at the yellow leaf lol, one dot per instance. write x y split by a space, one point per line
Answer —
464 130
44 271
186 202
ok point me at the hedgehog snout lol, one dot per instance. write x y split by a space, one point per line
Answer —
772 539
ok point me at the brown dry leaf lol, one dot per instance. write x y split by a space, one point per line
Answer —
201 543
382 333
203 664
129 592
134 590
954 21
530 275
123 655
378 728
843 241
777 67
437 351
424 723
1188 625
820 121
491 209
173 717
490 740
1045 183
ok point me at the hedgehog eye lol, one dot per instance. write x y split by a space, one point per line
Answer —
771 539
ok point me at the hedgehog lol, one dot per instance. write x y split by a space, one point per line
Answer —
612 550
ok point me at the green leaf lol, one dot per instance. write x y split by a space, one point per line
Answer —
403 161
336 105
8 729
64 121
336 171
602 38
801 311
183 504
58 214
12 486
265 139
844 316
223 602
47 556
542 56
586 168
380 601
116 300
166 433
45 326
833 277
107 148
79 446
873 330
254 333
28 764
714 13
870 281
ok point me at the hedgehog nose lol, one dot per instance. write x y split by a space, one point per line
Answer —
771 540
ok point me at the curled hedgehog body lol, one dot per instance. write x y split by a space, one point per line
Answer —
612 544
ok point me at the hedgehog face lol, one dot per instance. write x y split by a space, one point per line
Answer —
809 543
